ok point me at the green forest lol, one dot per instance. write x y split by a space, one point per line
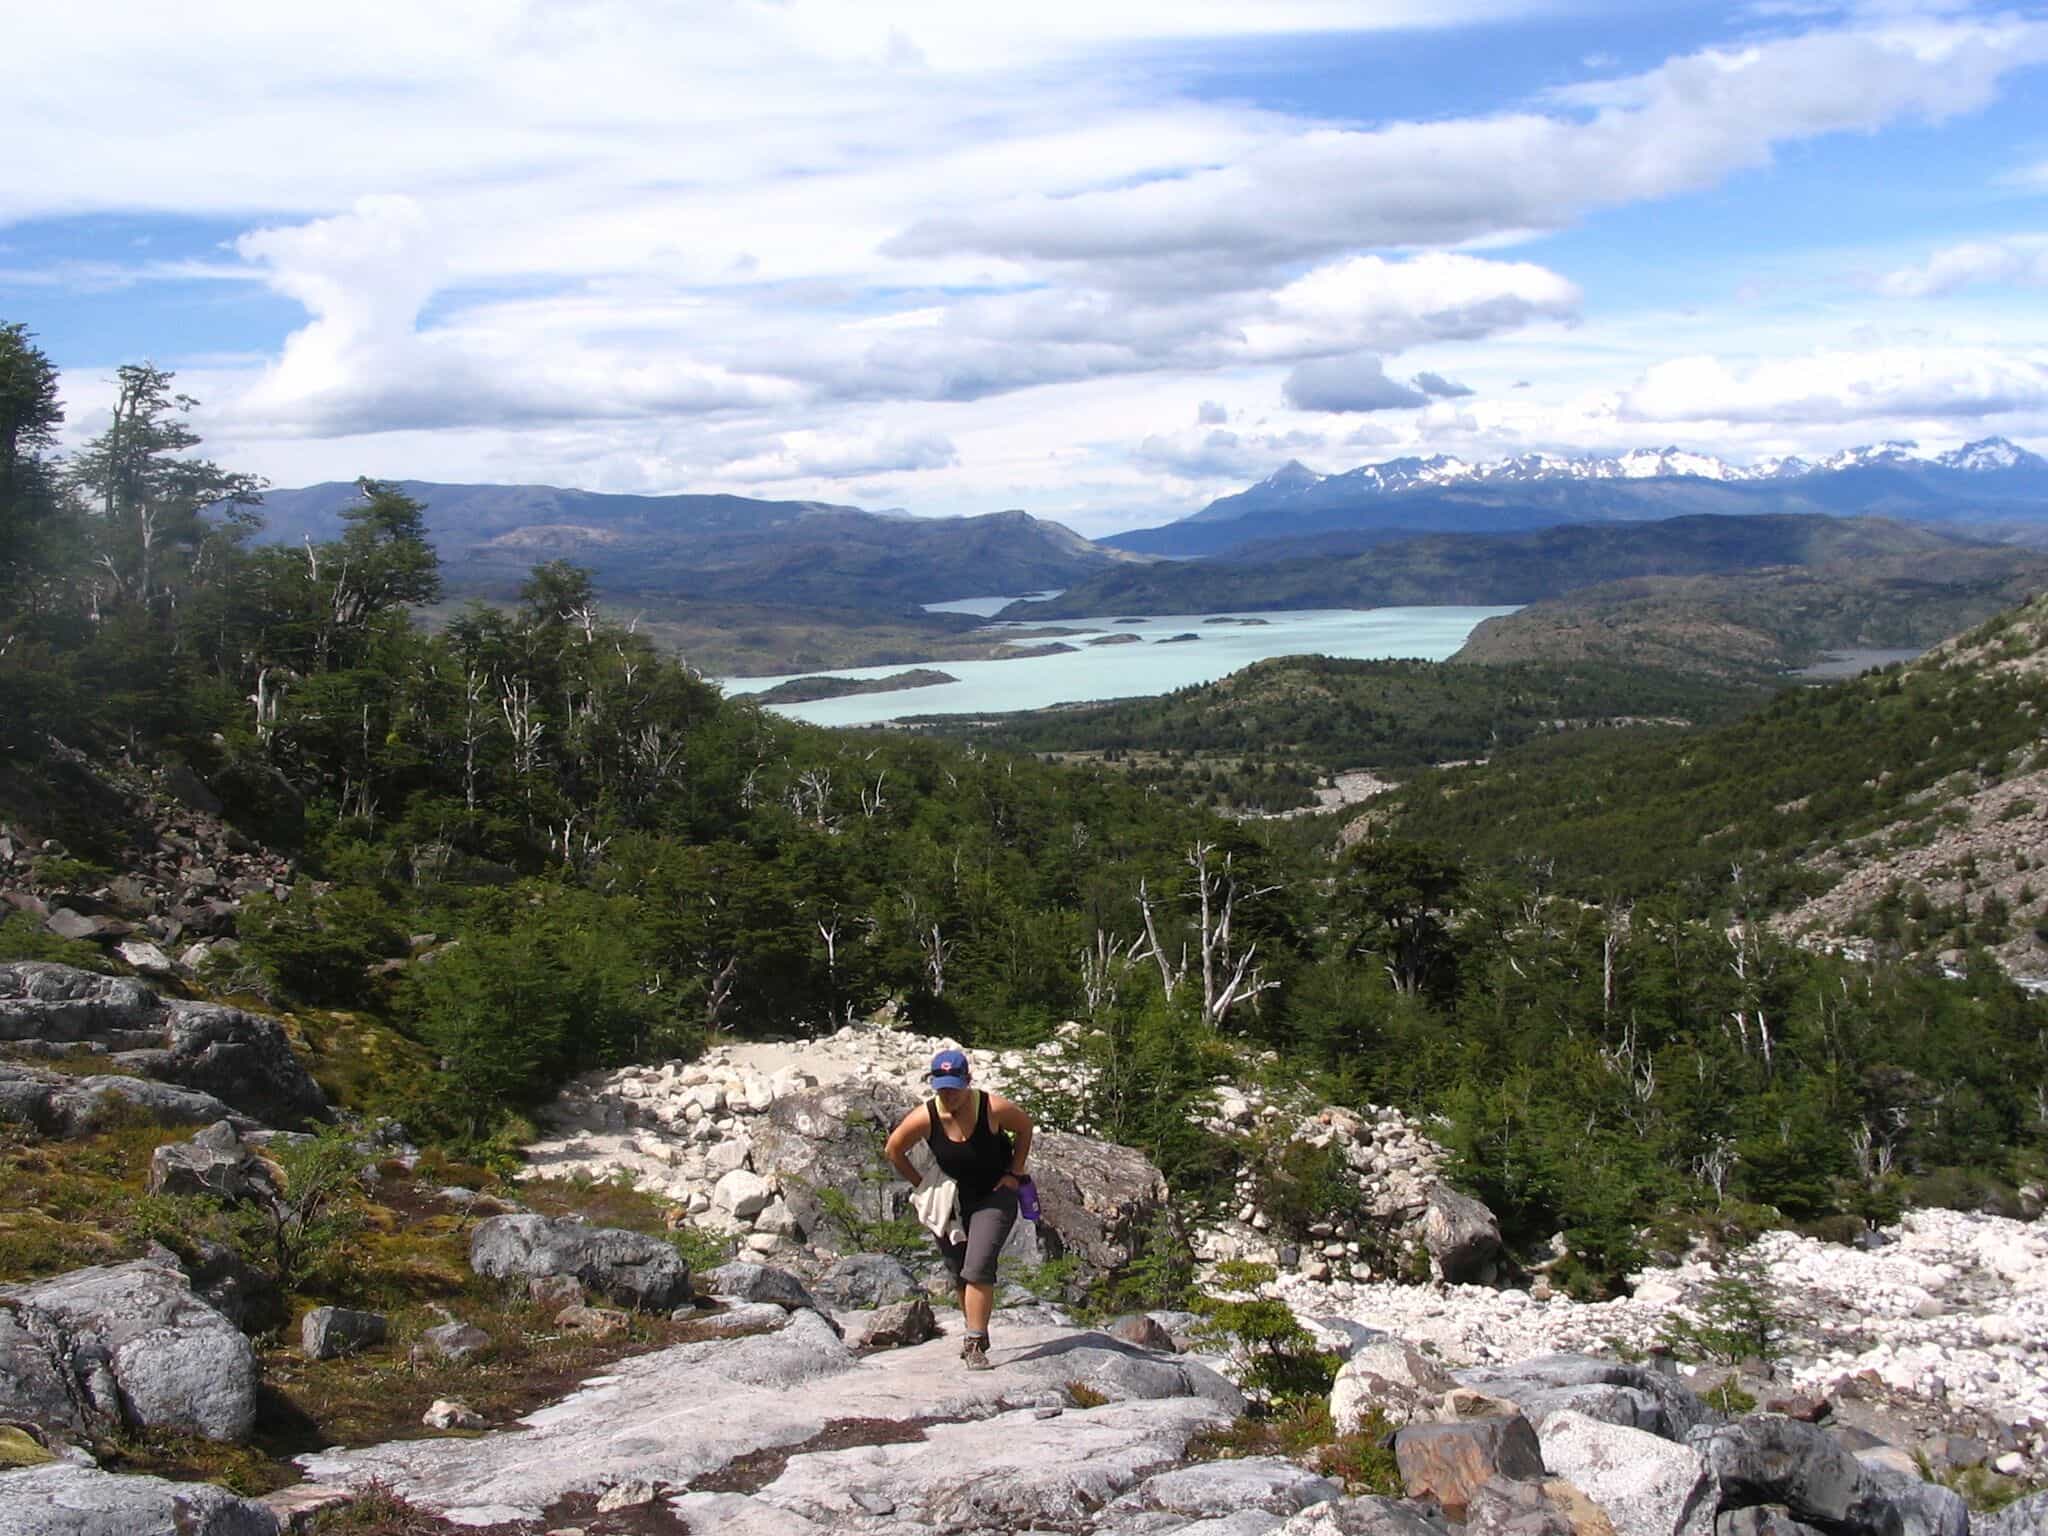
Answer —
1553 954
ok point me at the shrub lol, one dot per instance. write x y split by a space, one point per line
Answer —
307 1226
1739 1317
1277 1359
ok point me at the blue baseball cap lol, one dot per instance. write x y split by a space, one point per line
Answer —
949 1070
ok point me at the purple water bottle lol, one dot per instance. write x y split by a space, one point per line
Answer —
1027 1198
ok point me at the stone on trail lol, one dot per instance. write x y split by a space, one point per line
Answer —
1447 1462
1647 1486
741 1281
1143 1330
64 1500
448 1413
629 1268
1765 1459
891 1327
742 1194
864 1280
733 1322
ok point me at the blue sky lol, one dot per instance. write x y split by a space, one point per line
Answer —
1105 261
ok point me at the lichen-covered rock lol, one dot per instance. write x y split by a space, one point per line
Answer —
454 1342
64 1500
628 1267
124 1346
243 1059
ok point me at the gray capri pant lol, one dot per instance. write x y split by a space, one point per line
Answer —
988 1222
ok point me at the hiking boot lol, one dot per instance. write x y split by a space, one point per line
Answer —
974 1355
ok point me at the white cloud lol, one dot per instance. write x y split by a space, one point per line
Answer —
2021 261
1676 128
787 244
837 456
1842 387
1356 383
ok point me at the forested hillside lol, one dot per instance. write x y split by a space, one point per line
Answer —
1259 738
602 861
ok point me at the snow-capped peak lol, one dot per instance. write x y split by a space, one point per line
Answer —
1991 453
1890 455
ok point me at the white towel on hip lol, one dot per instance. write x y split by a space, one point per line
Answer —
937 1203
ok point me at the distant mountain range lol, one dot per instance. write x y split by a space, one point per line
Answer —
1532 564
1987 482
728 549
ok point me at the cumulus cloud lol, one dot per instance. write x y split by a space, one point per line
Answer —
1842 387
2021 261
1439 386
1357 383
363 363
1210 414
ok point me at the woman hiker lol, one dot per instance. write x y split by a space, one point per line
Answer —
981 1141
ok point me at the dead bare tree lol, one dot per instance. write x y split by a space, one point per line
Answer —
1228 979
1104 967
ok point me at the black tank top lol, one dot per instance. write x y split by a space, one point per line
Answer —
977 1164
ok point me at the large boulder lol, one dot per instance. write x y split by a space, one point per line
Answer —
1647 1485
742 1281
864 1280
125 1346
1461 1235
1766 1459
628 1267
1609 1390
1448 1462
242 1059
64 1500
1388 1375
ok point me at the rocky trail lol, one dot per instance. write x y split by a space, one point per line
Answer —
819 1390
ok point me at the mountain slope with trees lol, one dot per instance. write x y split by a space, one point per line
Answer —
618 864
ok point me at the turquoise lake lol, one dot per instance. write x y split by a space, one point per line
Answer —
1154 663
